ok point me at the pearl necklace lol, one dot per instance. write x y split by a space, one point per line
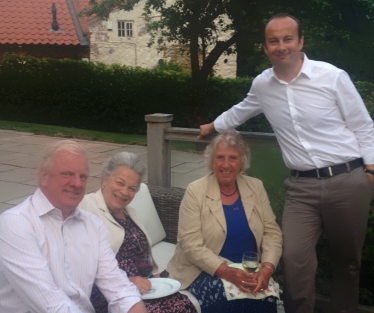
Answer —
231 194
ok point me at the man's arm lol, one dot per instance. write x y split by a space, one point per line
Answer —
206 129
138 308
235 116
26 269
357 118
122 295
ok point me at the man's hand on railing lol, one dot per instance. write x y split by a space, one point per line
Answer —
205 129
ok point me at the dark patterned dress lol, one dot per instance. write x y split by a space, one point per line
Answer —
134 245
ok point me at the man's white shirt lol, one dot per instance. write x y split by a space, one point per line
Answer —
48 264
319 118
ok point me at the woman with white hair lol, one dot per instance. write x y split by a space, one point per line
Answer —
121 178
223 215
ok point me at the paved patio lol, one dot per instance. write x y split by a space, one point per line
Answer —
20 155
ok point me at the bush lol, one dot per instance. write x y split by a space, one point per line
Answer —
111 98
116 98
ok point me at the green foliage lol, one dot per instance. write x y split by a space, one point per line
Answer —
110 98
366 91
115 98
169 66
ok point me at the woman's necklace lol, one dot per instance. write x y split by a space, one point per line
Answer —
231 194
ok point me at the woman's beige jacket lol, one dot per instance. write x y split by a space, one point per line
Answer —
95 203
202 227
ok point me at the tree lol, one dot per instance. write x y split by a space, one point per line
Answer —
340 32
195 25
199 26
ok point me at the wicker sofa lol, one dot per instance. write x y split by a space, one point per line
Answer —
167 202
157 209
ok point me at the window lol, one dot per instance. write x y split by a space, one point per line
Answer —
124 29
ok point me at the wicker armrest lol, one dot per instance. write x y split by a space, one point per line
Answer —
167 202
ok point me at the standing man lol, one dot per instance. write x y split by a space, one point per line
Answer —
51 252
327 140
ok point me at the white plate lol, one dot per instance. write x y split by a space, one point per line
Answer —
162 287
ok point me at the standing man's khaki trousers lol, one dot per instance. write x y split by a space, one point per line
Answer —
338 206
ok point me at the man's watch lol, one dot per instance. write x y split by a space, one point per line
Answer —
369 171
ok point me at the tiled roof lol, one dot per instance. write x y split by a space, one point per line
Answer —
30 22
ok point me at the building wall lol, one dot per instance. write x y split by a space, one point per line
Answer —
107 47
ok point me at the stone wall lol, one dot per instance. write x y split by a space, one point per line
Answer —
109 48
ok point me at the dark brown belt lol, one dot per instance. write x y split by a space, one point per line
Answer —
331 170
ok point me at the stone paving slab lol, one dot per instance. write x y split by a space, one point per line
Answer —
11 156
27 148
28 161
19 175
11 191
4 168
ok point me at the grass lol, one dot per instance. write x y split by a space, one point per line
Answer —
69 132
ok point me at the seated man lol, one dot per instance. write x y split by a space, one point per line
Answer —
52 252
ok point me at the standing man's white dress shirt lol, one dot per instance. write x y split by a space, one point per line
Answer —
319 110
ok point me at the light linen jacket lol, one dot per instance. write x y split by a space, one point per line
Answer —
202 227
95 203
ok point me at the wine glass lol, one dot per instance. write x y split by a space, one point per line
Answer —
145 267
250 261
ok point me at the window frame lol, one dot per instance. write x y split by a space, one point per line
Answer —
125 28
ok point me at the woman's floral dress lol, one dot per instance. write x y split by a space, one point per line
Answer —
133 245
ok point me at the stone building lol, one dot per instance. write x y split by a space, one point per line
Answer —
123 39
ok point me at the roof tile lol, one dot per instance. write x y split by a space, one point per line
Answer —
30 22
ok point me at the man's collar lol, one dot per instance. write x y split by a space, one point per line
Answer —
306 68
43 206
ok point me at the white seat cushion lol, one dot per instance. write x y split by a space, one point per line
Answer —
147 214
162 253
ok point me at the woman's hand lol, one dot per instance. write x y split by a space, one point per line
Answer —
142 283
262 278
238 277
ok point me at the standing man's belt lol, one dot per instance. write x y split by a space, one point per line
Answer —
331 170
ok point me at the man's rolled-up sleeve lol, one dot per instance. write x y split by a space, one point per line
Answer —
113 283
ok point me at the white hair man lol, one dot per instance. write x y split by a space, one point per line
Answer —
52 252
